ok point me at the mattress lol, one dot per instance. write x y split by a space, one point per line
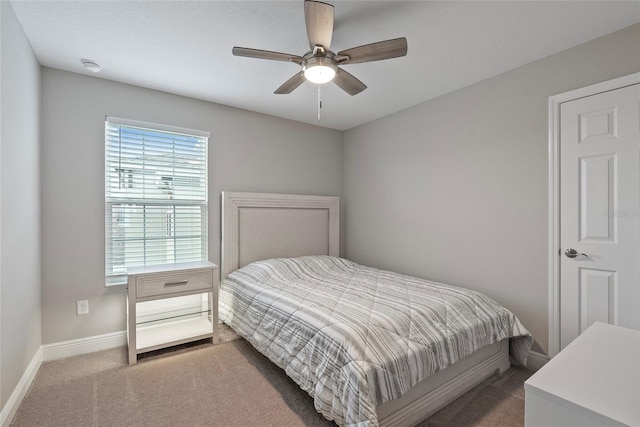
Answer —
354 337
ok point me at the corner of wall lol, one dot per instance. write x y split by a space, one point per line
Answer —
20 258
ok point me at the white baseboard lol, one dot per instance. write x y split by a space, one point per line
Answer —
11 407
537 360
79 346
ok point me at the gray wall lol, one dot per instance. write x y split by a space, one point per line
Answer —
455 189
19 204
247 152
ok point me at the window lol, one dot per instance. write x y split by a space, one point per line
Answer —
155 196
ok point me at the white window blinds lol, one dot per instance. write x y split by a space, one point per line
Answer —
155 195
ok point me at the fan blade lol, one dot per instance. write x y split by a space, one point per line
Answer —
266 54
319 19
348 82
291 84
387 49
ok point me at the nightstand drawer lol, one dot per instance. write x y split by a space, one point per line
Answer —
171 283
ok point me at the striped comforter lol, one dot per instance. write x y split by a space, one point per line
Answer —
354 337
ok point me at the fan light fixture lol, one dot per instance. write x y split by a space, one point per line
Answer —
319 69
319 74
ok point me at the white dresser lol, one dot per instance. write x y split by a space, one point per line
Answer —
171 304
594 381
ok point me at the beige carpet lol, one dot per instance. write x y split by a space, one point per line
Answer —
225 385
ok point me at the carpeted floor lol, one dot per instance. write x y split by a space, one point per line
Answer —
225 385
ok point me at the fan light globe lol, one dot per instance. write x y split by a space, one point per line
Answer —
319 74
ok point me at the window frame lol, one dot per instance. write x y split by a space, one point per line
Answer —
121 279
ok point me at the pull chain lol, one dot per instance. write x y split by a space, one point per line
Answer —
319 102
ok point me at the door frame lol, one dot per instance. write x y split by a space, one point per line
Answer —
554 193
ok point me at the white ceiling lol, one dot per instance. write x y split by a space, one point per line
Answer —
184 47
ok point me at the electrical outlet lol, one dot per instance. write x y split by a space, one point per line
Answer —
82 307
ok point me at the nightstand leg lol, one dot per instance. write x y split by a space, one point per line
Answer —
131 330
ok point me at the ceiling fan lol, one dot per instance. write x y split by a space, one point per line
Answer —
320 65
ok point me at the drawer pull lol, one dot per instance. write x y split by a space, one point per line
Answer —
180 283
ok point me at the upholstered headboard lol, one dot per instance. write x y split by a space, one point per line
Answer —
258 226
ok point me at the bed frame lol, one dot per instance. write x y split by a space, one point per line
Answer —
259 226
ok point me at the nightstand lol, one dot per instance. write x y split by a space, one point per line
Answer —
171 304
594 381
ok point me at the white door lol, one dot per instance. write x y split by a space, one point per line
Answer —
600 211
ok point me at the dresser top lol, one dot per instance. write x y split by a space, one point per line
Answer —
599 371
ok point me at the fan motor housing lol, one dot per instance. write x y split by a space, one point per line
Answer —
326 60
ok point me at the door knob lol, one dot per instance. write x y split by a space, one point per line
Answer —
572 253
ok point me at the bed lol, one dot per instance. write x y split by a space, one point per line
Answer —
389 360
